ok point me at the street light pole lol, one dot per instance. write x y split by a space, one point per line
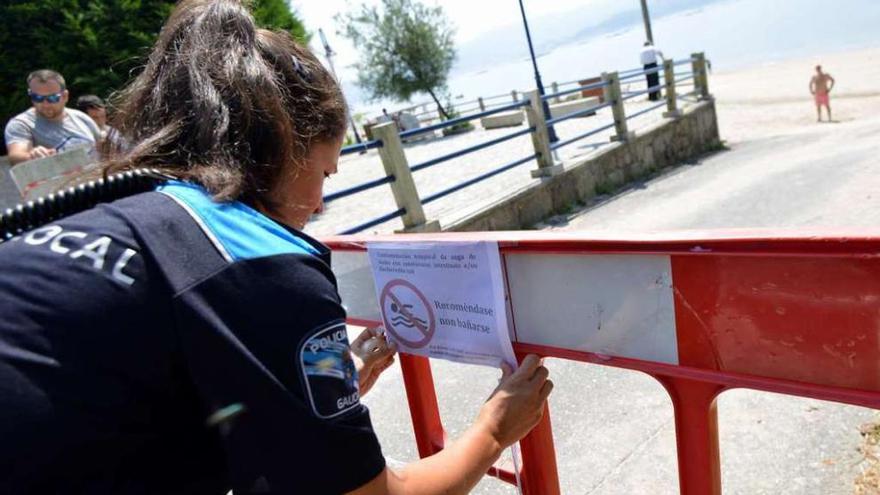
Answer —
328 52
550 130
646 17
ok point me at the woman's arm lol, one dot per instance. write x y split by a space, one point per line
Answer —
513 409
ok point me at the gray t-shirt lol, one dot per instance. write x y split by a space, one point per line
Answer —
77 130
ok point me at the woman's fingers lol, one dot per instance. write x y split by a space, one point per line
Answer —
361 338
546 388
529 364
540 374
373 345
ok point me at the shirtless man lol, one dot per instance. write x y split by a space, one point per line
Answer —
820 85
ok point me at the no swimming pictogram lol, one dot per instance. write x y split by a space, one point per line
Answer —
407 314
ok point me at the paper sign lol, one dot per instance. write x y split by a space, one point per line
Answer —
444 300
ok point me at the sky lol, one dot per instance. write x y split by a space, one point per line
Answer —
470 17
579 38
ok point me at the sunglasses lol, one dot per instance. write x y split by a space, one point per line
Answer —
41 98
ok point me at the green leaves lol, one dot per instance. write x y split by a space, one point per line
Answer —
406 47
276 14
97 45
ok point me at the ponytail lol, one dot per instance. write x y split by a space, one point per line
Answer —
225 104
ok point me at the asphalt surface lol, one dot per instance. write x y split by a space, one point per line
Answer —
614 429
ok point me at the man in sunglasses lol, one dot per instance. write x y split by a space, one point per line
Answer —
48 127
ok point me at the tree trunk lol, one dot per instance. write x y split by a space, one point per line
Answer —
439 106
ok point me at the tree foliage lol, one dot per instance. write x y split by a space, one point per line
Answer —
98 45
406 47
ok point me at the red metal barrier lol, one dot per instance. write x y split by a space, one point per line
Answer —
797 314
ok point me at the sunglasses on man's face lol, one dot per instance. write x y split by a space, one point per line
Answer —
55 98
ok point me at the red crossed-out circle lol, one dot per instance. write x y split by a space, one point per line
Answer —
427 331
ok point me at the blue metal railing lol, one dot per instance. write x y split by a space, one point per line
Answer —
356 148
646 110
479 178
625 75
630 71
471 149
655 70
684 78
376 221
459 120
490 98
587 87
580 113
593 132
359 188
633 94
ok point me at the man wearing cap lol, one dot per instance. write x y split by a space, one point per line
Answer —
48 127
95 108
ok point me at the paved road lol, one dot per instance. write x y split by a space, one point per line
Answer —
614 429
824 176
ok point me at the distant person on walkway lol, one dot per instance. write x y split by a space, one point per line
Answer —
820 86
649 57
48 127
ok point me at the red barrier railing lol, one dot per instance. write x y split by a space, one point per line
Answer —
797 314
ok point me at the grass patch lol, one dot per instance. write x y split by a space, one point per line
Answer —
720 145
572 207
604 188
459 128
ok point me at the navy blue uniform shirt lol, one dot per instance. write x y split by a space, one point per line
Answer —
124 328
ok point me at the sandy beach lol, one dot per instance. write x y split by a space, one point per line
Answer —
773 99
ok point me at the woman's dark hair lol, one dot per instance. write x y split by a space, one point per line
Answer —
225 104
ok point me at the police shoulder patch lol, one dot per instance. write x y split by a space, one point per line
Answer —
329 375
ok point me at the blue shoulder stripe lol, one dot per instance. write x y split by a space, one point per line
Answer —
238 231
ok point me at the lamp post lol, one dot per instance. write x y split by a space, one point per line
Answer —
328 52
550 130
646 17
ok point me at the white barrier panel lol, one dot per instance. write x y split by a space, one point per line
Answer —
616 305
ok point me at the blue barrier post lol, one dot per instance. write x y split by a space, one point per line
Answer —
541 137
701 79
612 94
404 188
672 110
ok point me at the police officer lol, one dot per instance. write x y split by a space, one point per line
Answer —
191 339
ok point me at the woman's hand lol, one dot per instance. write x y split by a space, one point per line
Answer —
372 354
517 404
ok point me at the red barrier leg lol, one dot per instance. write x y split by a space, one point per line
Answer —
423 409
696 431
539 475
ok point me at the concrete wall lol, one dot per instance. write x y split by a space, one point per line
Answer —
560 109
663 145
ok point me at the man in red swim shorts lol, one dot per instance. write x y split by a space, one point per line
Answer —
820 85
